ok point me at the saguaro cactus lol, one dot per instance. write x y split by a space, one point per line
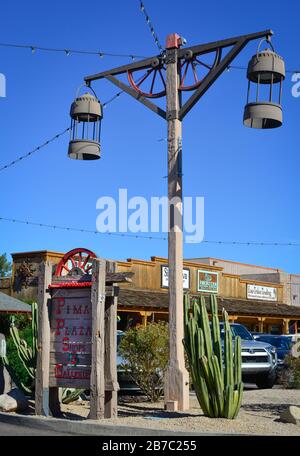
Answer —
215 364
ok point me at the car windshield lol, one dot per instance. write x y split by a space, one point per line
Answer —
237 330
279 342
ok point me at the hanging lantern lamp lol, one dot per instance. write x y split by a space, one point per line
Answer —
86 114
266 72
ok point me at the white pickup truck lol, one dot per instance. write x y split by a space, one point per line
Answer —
259 359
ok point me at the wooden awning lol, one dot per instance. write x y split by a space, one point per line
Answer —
158 300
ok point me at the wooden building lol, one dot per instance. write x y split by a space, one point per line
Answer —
257 303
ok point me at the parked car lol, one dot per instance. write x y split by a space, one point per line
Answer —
283 345
294 337
259 359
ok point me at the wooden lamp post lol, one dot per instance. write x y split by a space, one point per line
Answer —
172 73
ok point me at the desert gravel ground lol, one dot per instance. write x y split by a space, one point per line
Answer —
259 414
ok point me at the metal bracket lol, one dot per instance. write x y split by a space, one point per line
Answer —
137 96
238 44
171 56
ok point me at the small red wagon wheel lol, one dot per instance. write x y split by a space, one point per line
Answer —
195 68
80 259
149 84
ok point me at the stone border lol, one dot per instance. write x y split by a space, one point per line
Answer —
89 427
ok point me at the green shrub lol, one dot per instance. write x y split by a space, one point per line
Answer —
145 352
290 376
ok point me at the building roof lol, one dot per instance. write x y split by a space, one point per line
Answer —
213 259
12 305
129 297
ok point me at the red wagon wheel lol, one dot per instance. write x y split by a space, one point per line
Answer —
150 83
195 68
79 258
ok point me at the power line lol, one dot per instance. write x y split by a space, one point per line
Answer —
152 30
68 51
150 238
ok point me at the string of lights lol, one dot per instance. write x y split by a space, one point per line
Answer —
28 154
145 237
102 54
152 30
58 135
68 52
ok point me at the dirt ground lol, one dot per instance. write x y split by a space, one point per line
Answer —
259 414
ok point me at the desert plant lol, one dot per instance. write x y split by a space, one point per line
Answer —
14 364
289 377
145 354
27 355
27 352
215 367
71 394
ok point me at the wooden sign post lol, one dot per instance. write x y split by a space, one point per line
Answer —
97 373
77 337
43 352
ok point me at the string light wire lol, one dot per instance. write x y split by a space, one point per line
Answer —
150 25
68 52
145 237
55 137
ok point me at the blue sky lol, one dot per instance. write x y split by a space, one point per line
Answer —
249 178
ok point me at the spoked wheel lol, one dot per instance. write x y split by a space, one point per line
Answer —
77 260
195 68
149 83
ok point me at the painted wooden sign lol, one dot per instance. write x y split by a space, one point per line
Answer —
70 337
207 281
261 293
165 277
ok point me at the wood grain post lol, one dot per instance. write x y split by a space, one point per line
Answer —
43 353
285 326
177 382
110 358
97 406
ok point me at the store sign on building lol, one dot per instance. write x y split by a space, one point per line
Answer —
207 281
71 337
165 277
261 293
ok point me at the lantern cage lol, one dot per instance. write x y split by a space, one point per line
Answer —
265 73
86 115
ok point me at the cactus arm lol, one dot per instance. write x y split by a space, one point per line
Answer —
206 328
237 361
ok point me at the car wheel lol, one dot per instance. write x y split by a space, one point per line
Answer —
266 381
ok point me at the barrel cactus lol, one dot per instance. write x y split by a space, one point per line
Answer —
215 365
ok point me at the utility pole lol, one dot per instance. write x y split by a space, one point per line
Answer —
176 63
